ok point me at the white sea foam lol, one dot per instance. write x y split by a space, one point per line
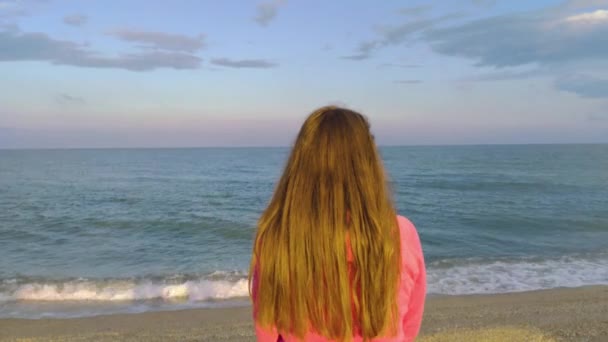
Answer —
121 290
452 277
500 276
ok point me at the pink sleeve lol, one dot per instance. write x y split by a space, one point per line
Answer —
413 317
262 334
265 335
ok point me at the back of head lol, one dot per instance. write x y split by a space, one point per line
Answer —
333 189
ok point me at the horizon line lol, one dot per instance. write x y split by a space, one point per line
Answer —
282 146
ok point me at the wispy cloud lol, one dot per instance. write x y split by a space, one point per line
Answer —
594 17
519 39
584 86
397 65
267 11
356 57
363 51
501 75
391 35
549 42
327 47
144 61
67 99
388 35
21 46
12 9
75 19
244 63
161 40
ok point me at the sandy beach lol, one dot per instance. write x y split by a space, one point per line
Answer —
579 314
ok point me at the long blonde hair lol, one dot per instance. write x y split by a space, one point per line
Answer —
333 189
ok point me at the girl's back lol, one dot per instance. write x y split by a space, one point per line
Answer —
330 260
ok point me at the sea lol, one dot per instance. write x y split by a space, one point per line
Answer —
86 232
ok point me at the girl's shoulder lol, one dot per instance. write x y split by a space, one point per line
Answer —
411 249
408 231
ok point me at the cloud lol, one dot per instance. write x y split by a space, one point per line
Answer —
144 61
415 10
68 99
408 81
595 17
566 39
520 39
391 35
15 45
244 63
75 19
356 57
8 27
397 34
364 51
161 40
327 47
267 11
583 86
12 9
9 11
19 46
510 74
397 65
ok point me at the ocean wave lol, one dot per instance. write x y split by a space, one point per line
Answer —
446 277
112 290
479 276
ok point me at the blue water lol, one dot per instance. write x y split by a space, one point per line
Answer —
85 232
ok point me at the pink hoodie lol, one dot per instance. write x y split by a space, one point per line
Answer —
410 297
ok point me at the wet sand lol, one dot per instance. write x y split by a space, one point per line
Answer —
579 314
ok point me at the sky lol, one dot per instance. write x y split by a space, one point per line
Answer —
247 73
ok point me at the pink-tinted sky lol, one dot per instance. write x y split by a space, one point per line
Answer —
211 73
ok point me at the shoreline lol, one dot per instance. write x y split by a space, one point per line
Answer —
564 314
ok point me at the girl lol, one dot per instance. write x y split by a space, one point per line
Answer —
331 260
